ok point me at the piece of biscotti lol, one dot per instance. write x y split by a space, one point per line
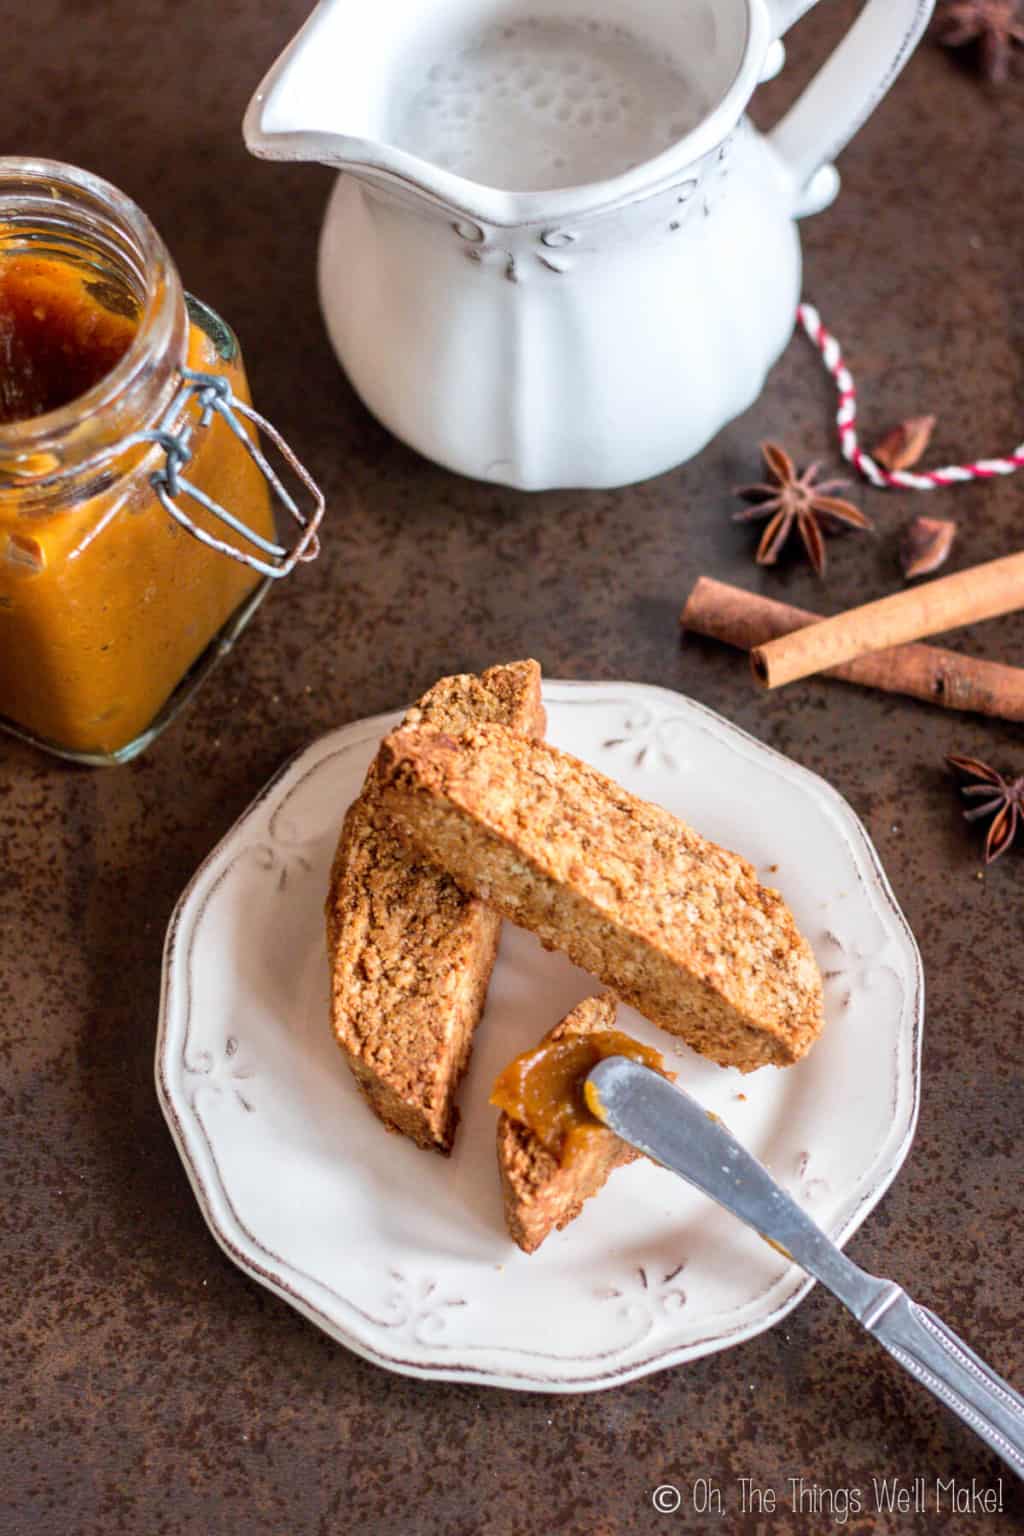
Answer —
677 926
410 954
543 1189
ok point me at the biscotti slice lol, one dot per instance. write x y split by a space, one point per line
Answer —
545 1178
674 924
410 953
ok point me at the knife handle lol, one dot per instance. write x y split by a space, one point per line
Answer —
663 1121
935 1356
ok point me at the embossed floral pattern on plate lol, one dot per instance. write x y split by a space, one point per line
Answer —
402 1255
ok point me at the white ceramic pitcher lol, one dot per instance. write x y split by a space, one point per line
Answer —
596 334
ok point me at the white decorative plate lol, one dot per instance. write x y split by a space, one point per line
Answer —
401 1254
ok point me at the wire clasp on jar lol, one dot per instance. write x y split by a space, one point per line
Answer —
214 396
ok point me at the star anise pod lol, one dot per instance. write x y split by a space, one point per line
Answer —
994 25
1000 798
787 499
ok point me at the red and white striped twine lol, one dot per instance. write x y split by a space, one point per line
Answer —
846 420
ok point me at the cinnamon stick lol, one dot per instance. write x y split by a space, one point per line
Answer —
982 592
745 620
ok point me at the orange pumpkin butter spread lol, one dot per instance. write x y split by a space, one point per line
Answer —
553 1155
105 602
543 1088
56 339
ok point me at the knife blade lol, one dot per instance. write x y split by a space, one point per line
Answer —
668 1125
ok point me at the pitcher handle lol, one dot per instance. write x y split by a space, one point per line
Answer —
844 93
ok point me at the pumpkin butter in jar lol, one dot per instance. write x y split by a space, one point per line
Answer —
111 608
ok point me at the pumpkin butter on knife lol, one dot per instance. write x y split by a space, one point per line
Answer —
677 926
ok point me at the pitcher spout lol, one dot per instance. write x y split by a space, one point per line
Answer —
329 100
318 102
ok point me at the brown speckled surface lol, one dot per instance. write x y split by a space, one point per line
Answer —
146 1385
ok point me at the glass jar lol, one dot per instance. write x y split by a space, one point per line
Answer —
136 528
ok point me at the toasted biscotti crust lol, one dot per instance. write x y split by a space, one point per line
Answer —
410 954
677 926
539 1195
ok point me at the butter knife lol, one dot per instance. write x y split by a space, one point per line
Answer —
673 1129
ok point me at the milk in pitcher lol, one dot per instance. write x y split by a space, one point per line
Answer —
538 104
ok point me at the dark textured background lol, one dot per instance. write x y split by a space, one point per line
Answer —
146 1385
